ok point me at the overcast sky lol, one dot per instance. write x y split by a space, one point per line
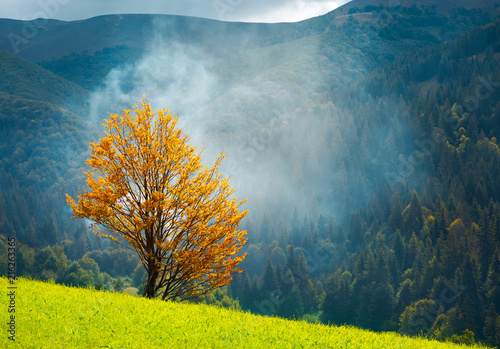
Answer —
228 10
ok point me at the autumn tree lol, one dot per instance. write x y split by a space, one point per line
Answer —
148 186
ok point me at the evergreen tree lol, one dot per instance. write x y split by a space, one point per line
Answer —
291 260
404 296
470 301
246 296
399 247
396 218
491 328
413 219
291 307
336 307
255 291
381 307
492 284
355 232
269 279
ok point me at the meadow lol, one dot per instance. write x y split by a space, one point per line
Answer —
54 316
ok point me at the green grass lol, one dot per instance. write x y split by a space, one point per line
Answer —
54 316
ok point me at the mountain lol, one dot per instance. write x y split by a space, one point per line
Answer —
43 134
85 51
366 141
444 7
43 40
24 79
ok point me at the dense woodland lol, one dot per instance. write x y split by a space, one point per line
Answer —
393 223
422 256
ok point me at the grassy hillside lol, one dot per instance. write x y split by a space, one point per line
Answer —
54 316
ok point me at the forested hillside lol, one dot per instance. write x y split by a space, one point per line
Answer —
38 125
421 256
366 141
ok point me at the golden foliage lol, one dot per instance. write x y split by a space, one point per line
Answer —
147 185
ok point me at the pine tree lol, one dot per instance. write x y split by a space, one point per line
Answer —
404 296
399 248
255 291
245 291
492 284
469 300
291 307
235 285
491 328
381 306
336 307
413 219
396 218
355 232
269 279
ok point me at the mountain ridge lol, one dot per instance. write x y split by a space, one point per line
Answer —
40 40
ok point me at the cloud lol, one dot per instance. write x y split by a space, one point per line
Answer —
229 10
290 11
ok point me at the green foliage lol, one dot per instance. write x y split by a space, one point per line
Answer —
467 337
415 318
89 70
27 80
40 152
84 272
220 297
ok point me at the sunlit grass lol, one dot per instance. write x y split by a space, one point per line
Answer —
54 316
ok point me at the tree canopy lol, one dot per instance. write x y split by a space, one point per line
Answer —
148 186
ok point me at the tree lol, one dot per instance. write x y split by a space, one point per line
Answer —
355 232
491 328
50 262
396 216
336 306
269 279
413 220
148 186
417 318
245 291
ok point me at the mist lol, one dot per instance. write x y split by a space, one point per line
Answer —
290 145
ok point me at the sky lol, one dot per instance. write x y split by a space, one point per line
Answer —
227 10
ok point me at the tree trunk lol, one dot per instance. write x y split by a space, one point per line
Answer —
150 289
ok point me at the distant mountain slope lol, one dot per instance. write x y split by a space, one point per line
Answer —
28 80
43 138
85 51
444 6
44 40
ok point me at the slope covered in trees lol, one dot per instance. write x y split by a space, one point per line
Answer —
42 133
422 256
